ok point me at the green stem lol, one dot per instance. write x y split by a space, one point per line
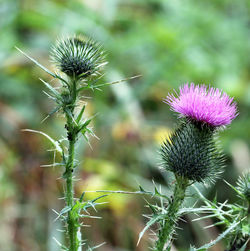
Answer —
72 224
168 225
72 220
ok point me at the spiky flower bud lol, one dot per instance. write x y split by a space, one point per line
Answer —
244 186
78 57
191 152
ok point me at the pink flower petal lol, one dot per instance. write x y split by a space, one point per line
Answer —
207 105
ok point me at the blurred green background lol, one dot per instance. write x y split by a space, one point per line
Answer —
168 43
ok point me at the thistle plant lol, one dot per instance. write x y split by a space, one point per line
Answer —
191 152
79 62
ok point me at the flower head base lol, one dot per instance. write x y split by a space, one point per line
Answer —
78 57
207 105
191 152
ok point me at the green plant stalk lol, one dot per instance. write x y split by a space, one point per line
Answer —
169 223
72 220
72 223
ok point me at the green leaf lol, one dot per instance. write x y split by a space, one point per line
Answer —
156 192
79 117
235 189
55 143
91 132
84 136
65 210
215 199
94 200
184 211
38 64
206 201
219 238
152 208
52 112
84 125
141 189
106 84
78 205
62 212
42 67
152 221
52 89
81 198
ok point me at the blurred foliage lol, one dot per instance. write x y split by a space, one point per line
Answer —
168 43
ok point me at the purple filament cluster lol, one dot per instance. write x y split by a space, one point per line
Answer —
203 104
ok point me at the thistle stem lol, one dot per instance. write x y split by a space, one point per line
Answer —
72 220
72 223
168 225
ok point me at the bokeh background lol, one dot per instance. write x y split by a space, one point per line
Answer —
168 43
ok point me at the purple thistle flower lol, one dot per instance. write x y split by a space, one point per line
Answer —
207 105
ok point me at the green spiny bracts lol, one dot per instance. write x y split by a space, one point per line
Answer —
243 186
191 152
78 57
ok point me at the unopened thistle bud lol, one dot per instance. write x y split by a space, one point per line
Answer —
78 57
191 151
244 186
